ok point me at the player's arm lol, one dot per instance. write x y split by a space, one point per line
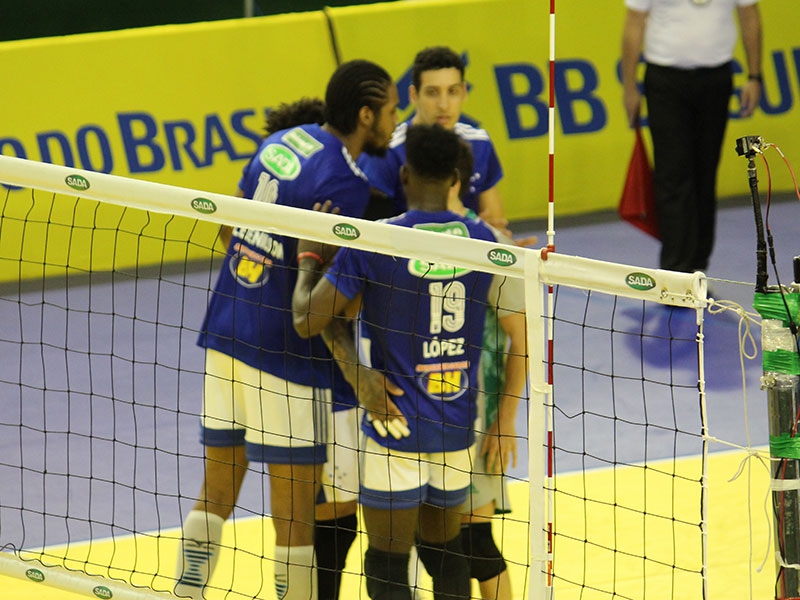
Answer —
490 205
338 337
318 307
311 313
315 300
632 41
373 389
507 295
500 443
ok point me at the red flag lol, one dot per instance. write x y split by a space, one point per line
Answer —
637 204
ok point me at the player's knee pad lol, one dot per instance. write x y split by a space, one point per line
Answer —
332 540
486 560
387 575
448 567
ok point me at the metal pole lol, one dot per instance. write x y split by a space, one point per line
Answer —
778 307
248 8
782 383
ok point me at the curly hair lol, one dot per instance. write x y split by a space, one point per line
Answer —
301 112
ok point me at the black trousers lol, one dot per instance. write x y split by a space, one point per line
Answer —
687 113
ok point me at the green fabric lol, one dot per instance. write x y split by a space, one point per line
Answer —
493 364
782 361
770 306
784 446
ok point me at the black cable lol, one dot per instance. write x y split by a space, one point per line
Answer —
746 146
337 56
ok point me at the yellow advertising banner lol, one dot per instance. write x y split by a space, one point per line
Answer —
183 105
506 45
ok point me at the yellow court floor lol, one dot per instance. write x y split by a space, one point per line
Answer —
738 541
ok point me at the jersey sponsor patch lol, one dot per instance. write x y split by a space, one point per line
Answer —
302 142
280 161
430 270
249 268
444 381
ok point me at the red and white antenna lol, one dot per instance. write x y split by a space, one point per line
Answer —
551 136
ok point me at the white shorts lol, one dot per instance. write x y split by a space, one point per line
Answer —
340 472
280 422
394 480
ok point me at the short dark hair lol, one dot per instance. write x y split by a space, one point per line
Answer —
432 151
355 84
433 59
301 112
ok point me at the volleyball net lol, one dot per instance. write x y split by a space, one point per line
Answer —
104 282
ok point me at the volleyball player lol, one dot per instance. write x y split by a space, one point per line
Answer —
415 462
336 525
267 391
438 91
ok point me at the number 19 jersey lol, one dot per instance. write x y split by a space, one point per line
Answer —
425 325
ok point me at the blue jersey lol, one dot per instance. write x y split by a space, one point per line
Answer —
249 316
384 173
425 322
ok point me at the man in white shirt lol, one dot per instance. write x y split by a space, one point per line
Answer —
688 48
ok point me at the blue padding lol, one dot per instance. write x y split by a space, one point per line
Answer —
387 500
221 437
307 455
446 499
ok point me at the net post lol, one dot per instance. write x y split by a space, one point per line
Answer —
540 552
781 380
778 308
